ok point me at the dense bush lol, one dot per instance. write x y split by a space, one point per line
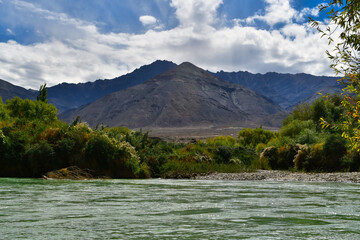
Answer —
33 141
305 145
294 128
334 150
278 157
111 158
252 137
31 110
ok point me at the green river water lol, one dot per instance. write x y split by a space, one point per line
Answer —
177 209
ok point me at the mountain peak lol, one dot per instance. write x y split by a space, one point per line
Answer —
188 69
188 66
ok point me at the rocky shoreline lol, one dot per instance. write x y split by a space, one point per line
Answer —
76 173
275 175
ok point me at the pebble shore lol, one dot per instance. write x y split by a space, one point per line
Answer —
274 175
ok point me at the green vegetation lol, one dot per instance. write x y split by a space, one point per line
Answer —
33 142
344 27
302 144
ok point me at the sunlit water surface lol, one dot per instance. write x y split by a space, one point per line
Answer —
177 209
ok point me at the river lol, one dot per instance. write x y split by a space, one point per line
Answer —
177 209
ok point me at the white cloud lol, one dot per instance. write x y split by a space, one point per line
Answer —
281 11
196 13
307 12
147 20
93 55
277 11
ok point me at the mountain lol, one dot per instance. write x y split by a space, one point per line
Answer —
8 91
67 96
184 96
325 90
286 90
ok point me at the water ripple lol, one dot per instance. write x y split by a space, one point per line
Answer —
177 209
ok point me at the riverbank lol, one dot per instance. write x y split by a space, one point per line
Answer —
275 175
75 173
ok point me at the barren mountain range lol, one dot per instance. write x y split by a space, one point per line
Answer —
163 94
286 90
183 96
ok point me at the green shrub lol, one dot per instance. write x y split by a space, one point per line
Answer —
40 158
307 136
301 158
302 112
244 155
281 141
31 110
221 141
252 137
315 162
333 151
119 133
292 129
351 161
286 155
112 158
268 158
223 154
309 158
260 147
4 113
279 157
184 169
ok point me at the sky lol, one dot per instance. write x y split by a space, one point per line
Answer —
55 41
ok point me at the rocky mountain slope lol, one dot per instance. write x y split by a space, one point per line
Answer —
8 91
66 96
287 90
183 96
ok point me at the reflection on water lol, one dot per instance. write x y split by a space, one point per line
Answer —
177 209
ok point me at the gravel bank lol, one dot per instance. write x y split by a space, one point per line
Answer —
274 175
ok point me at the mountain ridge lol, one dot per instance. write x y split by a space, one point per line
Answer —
67 96
183 96
287 90
9 91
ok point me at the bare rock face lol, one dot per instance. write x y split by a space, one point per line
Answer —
183 96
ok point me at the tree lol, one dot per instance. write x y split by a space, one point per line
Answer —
42 94
31 110
345 28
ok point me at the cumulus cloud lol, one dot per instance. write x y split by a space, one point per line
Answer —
293 48
277 11
281 11
196 13
147 20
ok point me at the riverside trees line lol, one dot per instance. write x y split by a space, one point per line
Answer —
33 142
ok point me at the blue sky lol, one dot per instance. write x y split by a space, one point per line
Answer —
54 41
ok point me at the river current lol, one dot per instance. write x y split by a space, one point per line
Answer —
177 209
